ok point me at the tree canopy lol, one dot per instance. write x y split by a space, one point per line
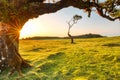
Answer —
17 12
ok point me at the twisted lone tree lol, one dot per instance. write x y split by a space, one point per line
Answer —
15 13
70 24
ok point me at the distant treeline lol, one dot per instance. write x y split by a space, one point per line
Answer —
90 35
40 37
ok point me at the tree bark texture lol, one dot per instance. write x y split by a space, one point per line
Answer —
9 49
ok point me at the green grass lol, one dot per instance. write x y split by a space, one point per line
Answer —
87 59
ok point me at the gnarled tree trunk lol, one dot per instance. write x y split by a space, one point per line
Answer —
9 45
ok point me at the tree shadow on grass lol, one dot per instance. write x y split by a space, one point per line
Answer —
35 49
56 55
52 62
112 44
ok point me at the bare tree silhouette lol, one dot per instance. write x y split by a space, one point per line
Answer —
71 23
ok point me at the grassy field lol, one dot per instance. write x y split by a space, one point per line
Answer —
87 59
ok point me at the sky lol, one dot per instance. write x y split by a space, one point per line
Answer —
55 24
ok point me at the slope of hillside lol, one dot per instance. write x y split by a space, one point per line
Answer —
87 59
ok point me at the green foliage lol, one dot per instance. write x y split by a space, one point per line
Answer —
88 59
5 10
11 14
111 7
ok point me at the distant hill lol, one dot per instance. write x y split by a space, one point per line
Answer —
90 35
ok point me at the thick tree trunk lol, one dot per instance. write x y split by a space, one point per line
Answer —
9 49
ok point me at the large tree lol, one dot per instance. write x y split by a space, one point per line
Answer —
15 13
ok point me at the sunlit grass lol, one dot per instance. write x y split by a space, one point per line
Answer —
87 59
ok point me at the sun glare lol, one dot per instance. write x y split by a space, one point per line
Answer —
31 28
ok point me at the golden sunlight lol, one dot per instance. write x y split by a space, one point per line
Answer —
32 28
